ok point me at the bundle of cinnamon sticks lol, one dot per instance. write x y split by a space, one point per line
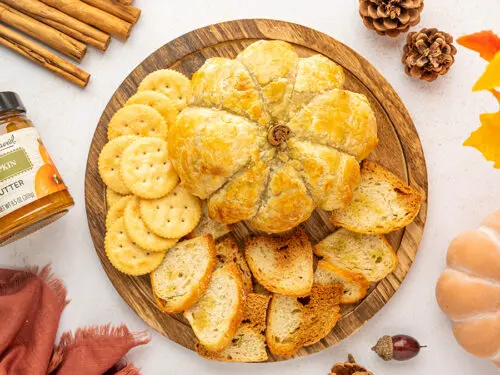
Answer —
66 26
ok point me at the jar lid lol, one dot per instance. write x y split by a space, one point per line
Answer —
10 101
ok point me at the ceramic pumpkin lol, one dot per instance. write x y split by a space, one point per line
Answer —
270 136
469 290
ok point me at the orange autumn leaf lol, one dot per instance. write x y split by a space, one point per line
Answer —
491 77
496 94
486 139
487 43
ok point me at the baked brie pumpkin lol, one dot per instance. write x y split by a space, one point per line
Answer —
269 136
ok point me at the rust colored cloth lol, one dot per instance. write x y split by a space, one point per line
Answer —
31 304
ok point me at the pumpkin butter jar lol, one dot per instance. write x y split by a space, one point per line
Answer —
32 193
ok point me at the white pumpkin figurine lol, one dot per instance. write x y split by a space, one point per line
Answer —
469 290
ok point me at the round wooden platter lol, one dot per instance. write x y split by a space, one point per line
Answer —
399 151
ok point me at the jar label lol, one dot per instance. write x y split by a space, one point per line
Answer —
27 172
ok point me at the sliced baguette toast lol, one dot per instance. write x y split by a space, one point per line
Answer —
247 345
184 274
217 315
282 265
355 284
296 322
255 311
381 203
367 254
208 226
257 288
249 342
228 252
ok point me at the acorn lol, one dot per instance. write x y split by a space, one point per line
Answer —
399 348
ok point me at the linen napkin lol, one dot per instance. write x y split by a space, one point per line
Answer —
31 303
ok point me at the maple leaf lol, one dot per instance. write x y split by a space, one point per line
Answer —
496 94
487 43
491 77
486 139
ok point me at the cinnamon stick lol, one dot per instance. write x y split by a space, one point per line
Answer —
38 54
93 16
125 2
62 22
46 34
125 12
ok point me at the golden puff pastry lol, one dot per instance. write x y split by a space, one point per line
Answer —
269 137
209 146
239 198
286 202
315 74
340 119
331 176
273 65
226 84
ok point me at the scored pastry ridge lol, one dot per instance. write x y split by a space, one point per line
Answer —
268 86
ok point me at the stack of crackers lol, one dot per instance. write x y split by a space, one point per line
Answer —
149 212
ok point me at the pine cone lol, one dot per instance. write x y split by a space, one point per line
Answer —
428 54
349 368
390 17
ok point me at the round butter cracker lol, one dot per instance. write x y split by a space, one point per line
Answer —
176 86
109 163
112 197
172 216
126 256
117 211
139 120
160 102
139 233
146 168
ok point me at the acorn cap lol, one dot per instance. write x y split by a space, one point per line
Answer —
384 348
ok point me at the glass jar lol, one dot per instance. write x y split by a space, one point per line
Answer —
32 192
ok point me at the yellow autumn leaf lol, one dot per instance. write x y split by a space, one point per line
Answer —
491 77
486 139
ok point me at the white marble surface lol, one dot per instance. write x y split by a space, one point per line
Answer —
463 187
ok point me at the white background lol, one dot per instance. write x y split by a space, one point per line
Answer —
463 187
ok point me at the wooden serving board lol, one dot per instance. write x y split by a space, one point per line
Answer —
399 150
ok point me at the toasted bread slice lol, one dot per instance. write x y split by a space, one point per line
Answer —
247 345
282 265
296 322
367 254
217 315
381 203
184 275
255 311
208 226
355 284
228 252
249 342
258 288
